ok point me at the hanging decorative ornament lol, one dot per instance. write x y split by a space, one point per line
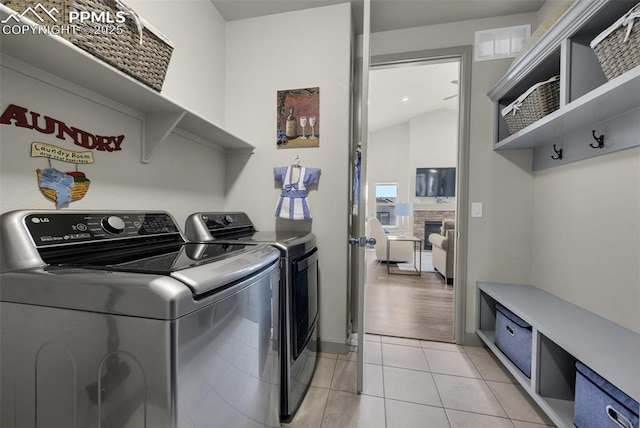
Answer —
292 203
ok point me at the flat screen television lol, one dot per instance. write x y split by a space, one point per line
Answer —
435 182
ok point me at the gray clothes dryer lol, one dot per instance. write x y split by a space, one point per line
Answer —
298 293
111 320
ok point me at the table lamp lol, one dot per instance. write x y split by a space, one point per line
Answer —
403 210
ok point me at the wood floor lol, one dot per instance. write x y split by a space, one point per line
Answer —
416 307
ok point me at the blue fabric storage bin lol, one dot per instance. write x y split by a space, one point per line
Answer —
513 337
599 404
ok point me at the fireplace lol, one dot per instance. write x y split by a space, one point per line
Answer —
422 217
429 228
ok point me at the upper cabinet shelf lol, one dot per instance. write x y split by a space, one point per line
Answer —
588 101
61 58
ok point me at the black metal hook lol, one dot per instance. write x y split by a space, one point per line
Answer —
599 139
558 153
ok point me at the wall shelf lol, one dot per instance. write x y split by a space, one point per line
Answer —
587 100
62 59
563 333
612 99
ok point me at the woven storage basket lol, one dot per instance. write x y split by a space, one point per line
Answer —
618 47
139 50
78 190
540 100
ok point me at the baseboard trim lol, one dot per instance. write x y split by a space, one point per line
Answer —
330 347
472 339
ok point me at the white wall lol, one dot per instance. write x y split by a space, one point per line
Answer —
587 234
182 177
287 51
434 138
195 77
499 243
552 9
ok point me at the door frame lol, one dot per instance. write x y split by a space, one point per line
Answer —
464 55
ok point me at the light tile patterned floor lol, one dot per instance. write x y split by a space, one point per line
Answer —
412 383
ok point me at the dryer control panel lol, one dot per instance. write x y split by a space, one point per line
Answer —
202 227
72 227
223 220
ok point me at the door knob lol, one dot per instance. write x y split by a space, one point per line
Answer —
363 241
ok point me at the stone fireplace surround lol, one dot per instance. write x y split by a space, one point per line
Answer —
420 216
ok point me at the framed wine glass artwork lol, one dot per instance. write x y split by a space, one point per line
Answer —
298 118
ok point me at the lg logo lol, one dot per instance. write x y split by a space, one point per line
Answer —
37 220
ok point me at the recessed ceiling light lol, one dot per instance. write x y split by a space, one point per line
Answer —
405 99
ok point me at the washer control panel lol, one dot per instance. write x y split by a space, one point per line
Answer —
67 228
215 221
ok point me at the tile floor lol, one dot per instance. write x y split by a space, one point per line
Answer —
412 383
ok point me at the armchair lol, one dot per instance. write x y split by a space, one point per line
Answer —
399 251
443 246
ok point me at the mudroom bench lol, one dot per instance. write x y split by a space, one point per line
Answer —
561 335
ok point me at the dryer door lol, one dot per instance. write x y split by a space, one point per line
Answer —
304 300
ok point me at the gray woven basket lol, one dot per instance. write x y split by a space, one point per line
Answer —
147 61
543 100
617 55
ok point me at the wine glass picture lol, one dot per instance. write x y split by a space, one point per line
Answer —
312 122
297 110
303 123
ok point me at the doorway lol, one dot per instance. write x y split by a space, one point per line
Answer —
415 134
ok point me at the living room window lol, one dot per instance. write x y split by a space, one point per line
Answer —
386 198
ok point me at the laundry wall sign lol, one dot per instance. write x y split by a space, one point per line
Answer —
42 150
61 187
21 117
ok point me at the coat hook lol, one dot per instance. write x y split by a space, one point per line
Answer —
558 153
599 139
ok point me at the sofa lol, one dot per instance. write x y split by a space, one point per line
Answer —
399 252
443 246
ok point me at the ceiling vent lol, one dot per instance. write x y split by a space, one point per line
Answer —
500 42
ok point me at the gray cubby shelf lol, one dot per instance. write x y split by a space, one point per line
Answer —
563 333
162 115
588 101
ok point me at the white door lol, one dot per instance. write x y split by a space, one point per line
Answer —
357 231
